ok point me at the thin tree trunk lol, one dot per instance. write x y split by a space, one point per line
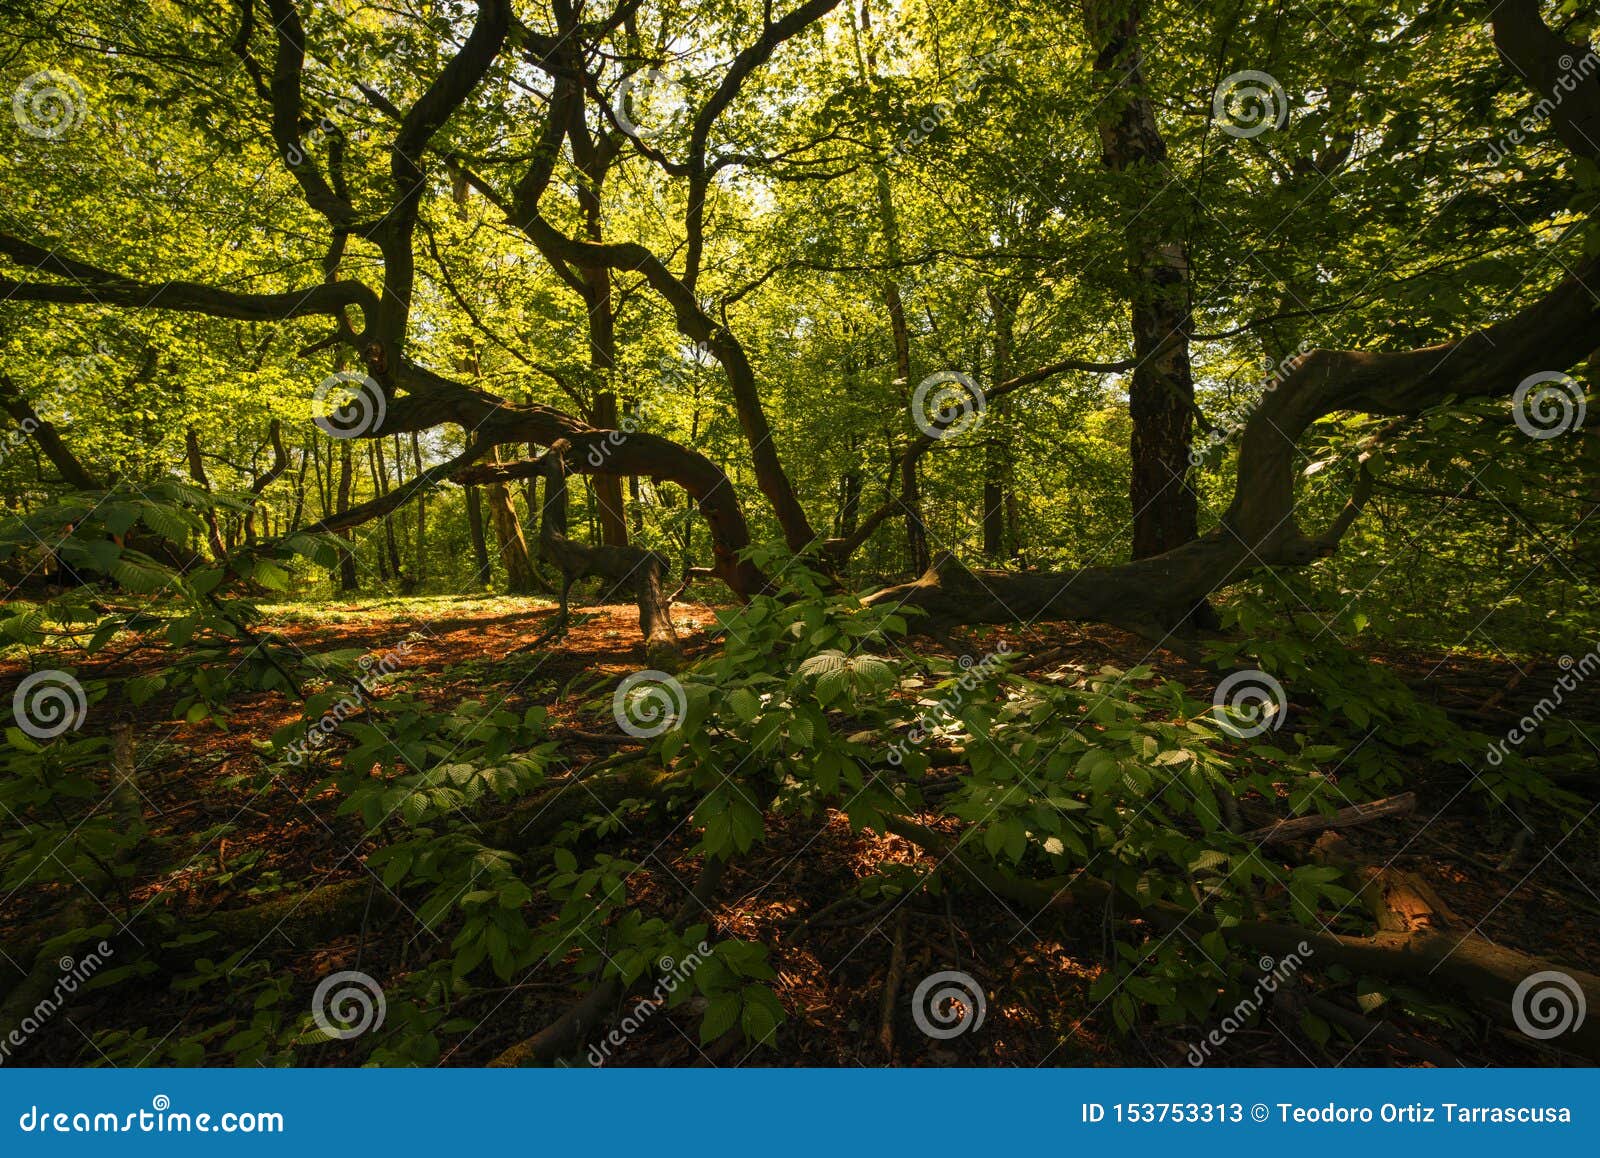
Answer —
997 497
520 576
347 557
910 483
379 490
389 544
420 572
299 492
608 487
197 472
481 571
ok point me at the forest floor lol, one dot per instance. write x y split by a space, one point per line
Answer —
256 842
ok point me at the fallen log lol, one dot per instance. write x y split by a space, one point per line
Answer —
1356 814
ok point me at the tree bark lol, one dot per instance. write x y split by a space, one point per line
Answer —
520 577
482 573
1161 393
347 557
420 571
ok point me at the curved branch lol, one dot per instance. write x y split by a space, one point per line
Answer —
749 59
92 285
1258 529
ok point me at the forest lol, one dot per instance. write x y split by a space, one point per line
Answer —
815 533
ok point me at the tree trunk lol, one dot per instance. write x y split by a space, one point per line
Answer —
520 577
998 502
420 571
910 484
623 567
1161 394
280 463
849 503
608 487
481 571
379 490
389 543
347 557
197 473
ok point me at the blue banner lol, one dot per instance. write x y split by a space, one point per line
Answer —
793 1112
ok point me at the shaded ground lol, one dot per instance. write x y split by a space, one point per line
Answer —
243 839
